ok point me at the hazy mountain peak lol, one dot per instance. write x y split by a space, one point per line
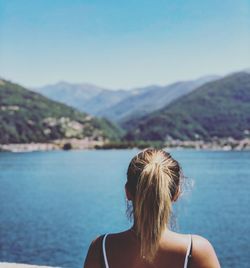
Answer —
65 84
247 70
208 78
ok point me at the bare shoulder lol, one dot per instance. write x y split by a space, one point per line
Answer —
94 258
203 254
94 255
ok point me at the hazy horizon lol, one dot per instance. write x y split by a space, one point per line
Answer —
123 88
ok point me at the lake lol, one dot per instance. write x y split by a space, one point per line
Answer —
53 204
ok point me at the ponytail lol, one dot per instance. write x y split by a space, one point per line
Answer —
152 201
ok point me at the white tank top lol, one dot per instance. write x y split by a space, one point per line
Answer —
187 257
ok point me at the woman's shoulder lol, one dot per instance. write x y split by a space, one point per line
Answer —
201 250
94 255
203 253
185 239
201 242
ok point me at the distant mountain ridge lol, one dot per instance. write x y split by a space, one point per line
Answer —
119 105
85 97
152 99
26 116
216 109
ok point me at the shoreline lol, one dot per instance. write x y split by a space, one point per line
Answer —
227 144
57 145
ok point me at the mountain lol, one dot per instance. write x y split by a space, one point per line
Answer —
85 97
104 100
219 108
151 98
26 116
119 105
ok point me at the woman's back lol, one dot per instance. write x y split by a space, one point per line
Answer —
123 250
154 180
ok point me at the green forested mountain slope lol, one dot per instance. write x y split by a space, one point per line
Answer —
217 109
26 116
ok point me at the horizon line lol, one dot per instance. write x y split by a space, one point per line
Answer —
221 75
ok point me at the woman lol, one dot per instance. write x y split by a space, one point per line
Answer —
153 183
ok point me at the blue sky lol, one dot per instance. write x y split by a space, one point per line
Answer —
122 44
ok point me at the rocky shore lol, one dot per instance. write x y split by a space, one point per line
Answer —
226 144
65 144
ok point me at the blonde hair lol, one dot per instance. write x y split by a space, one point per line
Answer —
153 179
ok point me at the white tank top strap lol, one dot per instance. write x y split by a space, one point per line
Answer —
188 256
106 260
104 251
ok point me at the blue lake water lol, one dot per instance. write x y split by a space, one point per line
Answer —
52 204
